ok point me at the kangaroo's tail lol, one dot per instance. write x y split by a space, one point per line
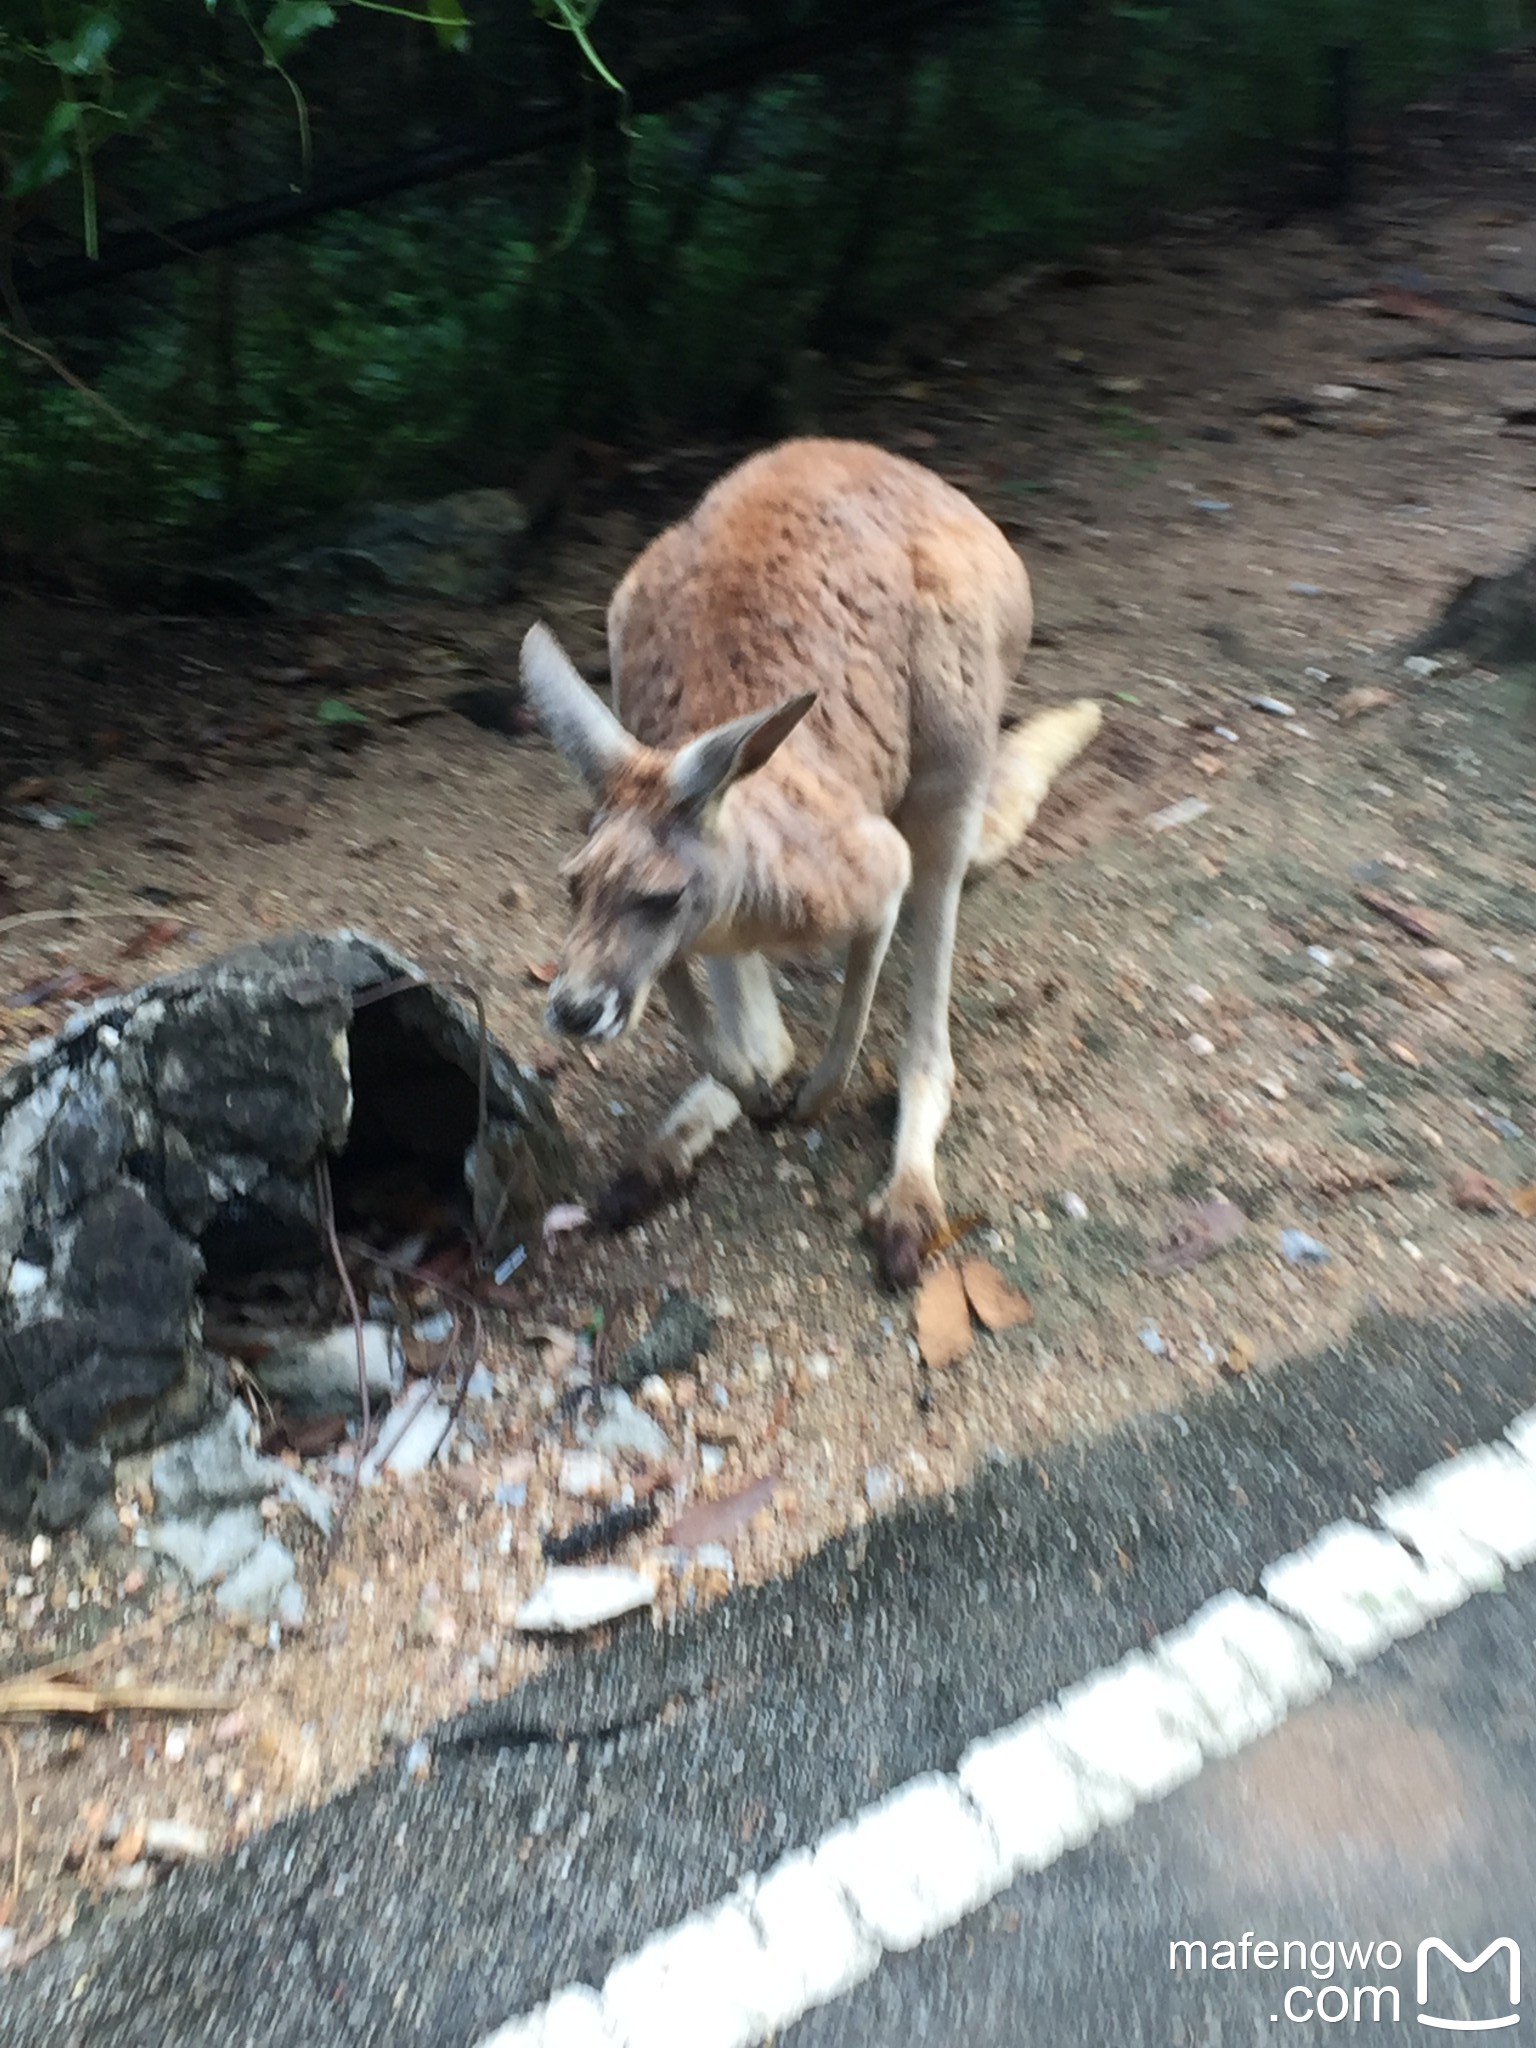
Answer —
1029 759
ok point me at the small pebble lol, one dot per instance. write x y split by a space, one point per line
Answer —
1184 812
417 1761
1273 1087
1275 706
1321 955
1152 1339
1438 964
1075 1207
291 1608
1225 732
1502 953
175 1745
1422 665
1305 589
881 1487
1200 1044
711 1459
1317 675
1299 1249
655 1394
1212 505
819 1366
511 1493
41 1551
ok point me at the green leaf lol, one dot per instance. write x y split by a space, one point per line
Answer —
50 157
292 22
87 48
337 711
452 23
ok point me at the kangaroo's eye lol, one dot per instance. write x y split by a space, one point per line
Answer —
660 905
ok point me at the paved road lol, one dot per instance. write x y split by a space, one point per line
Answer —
621 1792
1399 1807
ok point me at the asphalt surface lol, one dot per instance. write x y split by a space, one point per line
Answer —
625 1789
1400 1806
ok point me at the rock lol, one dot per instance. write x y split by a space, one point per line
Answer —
681 1331
711 1460
174 1841
882 1489
79 1479
178 1126
461 548
1184 812
1439 965
576 1597
1152 1340
23 1467
1275 706
221 1464
1298 1249
585 1475
319 1375
624 1427
1075 1207
291 1608
418 1428
257 1587
205 1548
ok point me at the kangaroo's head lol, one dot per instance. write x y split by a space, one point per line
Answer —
652 876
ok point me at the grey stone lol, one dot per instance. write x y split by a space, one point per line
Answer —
256 1589
23 1466
204 1548
681 1331
81 1477
178 1127
221 1465
462 548
624 1427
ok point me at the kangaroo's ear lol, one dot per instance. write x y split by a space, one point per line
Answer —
705 768
571 712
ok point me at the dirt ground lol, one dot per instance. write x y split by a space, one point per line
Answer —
1229 481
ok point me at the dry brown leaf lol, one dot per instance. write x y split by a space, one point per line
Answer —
151 938
951 1233
1241 1353
1523 1202
543 971
997 1305
1403 915
1473 1190
943 1319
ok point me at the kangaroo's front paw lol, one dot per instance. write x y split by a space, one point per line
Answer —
903 1220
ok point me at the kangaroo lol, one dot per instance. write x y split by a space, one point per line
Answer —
810 670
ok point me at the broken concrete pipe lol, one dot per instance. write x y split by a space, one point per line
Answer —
158 1164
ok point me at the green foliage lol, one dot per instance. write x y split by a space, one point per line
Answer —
676 272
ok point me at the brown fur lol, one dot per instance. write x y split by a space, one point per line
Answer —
821 566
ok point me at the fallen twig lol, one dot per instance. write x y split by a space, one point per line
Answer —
1405 918
29 1695
14 1754
1455 352
325 1197
95 915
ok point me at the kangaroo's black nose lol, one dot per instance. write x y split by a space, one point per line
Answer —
575 1016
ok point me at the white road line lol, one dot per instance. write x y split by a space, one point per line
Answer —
903 1870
